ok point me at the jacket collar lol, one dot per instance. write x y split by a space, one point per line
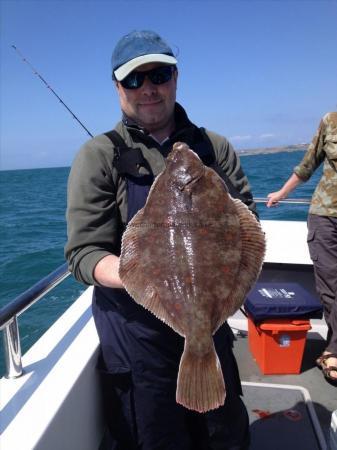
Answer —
185 131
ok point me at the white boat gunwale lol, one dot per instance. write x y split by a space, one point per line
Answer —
59 370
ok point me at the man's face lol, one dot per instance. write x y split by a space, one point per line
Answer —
151 106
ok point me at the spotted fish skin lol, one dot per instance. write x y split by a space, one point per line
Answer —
190 256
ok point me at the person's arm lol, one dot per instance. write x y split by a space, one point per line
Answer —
289 186
93 219
313 157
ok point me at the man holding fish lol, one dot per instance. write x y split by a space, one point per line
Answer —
171 255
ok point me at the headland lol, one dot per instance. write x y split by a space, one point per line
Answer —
265 150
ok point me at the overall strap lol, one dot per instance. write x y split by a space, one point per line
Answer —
127 160
203 147
218 169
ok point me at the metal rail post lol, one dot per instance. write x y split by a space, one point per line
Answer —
12 349
9 317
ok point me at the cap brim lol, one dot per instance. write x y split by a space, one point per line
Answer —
131 65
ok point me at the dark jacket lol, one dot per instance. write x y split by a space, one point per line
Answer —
97 194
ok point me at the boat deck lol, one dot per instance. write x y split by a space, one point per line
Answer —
323 395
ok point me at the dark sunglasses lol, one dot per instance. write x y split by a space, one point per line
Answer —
159 75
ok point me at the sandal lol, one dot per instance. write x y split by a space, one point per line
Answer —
328 369
318 361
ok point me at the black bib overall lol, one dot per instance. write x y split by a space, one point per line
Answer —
139 366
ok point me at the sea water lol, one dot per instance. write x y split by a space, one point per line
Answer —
33 231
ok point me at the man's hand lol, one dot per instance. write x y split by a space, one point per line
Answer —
106 272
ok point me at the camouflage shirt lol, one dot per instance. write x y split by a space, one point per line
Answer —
323 149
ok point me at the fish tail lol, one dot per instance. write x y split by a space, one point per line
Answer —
200 383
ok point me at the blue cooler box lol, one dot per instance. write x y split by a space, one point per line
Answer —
281 300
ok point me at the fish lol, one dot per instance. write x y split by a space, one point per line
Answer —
190 256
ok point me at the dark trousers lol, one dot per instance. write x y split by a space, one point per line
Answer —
139 364
322 242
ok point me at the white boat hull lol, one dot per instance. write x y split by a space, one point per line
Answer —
56 403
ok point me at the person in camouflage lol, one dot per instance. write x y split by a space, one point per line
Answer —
322 228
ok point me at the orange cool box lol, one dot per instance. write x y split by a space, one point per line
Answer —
277 345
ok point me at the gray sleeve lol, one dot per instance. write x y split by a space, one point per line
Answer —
93 223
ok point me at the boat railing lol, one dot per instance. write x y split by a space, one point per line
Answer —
290 201
10 312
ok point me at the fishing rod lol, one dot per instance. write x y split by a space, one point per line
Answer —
299 201
25 60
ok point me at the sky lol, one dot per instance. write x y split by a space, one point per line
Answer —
261 73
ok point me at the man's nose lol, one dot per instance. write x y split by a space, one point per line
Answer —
148 87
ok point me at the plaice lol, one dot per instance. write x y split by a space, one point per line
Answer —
190 256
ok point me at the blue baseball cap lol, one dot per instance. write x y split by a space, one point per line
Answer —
138 48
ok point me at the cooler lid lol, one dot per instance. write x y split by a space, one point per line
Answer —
277 300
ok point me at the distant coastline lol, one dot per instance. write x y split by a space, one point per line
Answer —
264 150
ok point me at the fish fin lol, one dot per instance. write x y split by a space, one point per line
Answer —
200 384
132 275
253 247
253 251
130 254
151 301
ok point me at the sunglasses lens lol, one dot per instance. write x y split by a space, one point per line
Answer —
134 80
160 75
